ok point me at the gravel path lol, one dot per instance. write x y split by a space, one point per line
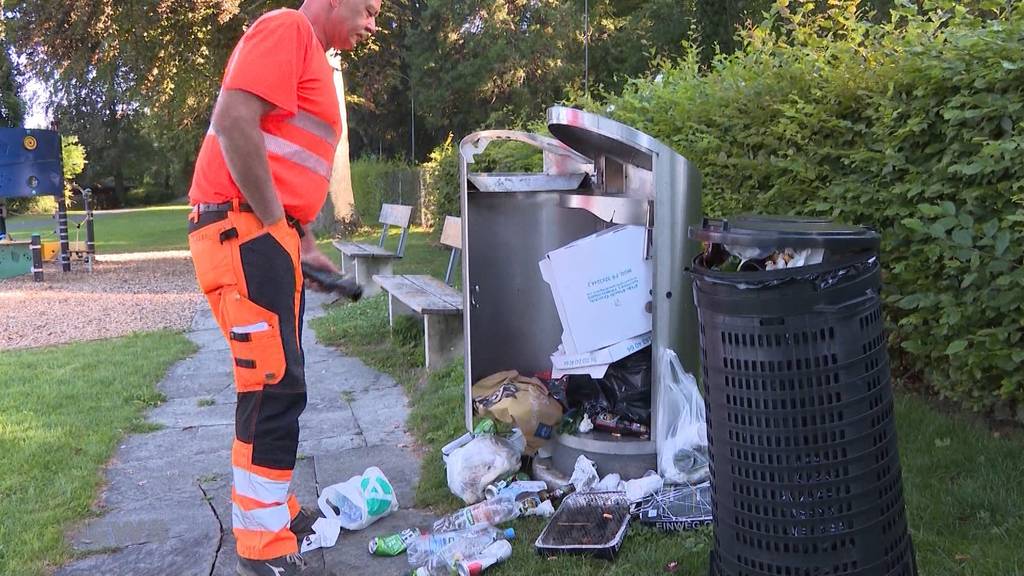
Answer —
125 293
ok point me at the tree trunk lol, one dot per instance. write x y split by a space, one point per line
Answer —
341 205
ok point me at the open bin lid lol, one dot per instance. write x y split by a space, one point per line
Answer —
594 136
795 232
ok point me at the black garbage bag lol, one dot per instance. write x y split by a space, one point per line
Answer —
625 389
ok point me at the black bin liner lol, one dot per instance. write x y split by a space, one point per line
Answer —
625 389
802 438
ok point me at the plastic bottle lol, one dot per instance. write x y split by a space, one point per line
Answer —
513 488
424 546
496 553
467 546
486 513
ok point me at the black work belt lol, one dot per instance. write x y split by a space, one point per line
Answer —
206 214
203 208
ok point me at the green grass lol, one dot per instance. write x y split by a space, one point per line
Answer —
964 485
143 230
62 412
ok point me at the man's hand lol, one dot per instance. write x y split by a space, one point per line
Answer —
319 260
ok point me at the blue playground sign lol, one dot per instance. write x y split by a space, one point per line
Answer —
30 163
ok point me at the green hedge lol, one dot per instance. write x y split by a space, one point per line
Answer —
380 181
915 127
441 184
441 173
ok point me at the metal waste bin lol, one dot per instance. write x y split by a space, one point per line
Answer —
805 466
597 173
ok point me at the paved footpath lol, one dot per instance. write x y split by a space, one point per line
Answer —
166 507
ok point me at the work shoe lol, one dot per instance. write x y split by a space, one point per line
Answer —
289 565
302 524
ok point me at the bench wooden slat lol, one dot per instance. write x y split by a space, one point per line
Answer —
413 296
362 250
395 215
451 234
438 288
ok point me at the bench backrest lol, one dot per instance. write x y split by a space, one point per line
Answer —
451 236
395 215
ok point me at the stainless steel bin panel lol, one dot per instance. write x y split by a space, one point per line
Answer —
512 320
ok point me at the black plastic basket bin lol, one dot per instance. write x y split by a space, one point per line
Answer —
805 468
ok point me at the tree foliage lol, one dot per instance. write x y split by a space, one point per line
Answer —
912 127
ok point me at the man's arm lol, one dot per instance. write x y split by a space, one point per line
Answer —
236 121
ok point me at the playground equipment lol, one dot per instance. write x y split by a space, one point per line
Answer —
30 165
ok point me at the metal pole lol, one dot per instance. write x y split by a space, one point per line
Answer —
37 258
412 123
3 219
62 231
90 235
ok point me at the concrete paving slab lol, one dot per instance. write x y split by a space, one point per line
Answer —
193 411
203 320
191 555
170 515
211 339
401 467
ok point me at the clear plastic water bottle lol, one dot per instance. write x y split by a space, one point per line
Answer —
468 545
424 546
486 513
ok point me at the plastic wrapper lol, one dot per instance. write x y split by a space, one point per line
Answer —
480 462
682 432
524 402
359 501
584 474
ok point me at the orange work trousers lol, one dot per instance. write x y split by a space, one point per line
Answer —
253 281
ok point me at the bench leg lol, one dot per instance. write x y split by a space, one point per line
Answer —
397 308
442 339
348 264
366 269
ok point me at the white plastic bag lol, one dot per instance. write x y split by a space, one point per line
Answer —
359 501
480 462
682 426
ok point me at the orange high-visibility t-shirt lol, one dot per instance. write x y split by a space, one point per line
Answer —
280 60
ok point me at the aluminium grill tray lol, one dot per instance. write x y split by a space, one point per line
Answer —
592 523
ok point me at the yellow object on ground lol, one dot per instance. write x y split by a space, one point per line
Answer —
50 249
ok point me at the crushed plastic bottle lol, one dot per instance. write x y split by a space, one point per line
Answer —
496 553
424 546
467 546
486 513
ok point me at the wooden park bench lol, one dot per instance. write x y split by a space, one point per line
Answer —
364 261
436 302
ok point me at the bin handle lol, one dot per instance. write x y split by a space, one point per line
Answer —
558 158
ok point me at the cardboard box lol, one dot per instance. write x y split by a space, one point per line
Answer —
601 286
604 356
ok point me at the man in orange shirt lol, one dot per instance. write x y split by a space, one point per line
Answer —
260 179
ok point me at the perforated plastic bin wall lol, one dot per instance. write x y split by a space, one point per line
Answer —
805 467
